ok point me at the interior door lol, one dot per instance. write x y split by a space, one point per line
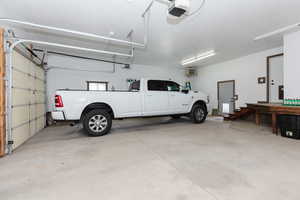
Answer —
156 100
226 96
275 79
178 101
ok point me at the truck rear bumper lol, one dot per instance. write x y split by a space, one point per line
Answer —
58 115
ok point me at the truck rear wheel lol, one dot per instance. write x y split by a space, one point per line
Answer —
97 122
198 113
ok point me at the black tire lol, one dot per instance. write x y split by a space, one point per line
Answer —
97 122
176 116
198 113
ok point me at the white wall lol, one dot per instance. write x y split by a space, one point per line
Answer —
244 71
78 71
292 65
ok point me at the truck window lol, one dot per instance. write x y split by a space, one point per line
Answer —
135 86
156 85
172 86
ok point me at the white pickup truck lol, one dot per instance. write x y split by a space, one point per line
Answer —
145 98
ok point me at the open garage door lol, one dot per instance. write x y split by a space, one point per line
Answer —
25 81
28 99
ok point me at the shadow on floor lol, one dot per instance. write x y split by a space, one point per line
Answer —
55 133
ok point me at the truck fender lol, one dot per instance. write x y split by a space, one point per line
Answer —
199 102
98 105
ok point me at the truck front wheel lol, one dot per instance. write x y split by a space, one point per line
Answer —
97 122
198 114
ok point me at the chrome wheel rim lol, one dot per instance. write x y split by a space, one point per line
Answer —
98 123
199 114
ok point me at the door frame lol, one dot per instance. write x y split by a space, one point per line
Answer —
2 95
268 75
234 94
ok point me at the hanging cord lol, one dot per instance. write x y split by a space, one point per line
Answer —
197 10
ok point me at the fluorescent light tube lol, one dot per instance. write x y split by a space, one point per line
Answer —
282 30
199 57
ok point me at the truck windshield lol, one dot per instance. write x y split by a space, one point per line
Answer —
135 86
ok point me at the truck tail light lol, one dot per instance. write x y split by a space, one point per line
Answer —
58 101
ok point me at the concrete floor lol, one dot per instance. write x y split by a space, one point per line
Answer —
155 159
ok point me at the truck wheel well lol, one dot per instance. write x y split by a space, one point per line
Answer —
94 106
202 103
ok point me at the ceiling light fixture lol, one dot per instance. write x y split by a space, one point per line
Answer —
276 32
199 57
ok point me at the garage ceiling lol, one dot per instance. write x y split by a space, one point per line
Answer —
226 26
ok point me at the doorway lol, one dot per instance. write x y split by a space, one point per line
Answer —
226 97
275 88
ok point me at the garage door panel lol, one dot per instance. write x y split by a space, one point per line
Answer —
20 135
41 123
20 80
20 62
41 115
31 82
40 74
20 96
37 125
32 69
32 97
40 108
28 96
32 112
40 97
20 115
39 85
33 128
36 111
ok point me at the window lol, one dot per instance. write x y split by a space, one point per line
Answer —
97 86
155 85
135 86
172 86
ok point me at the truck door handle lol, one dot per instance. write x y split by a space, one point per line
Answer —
149 95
